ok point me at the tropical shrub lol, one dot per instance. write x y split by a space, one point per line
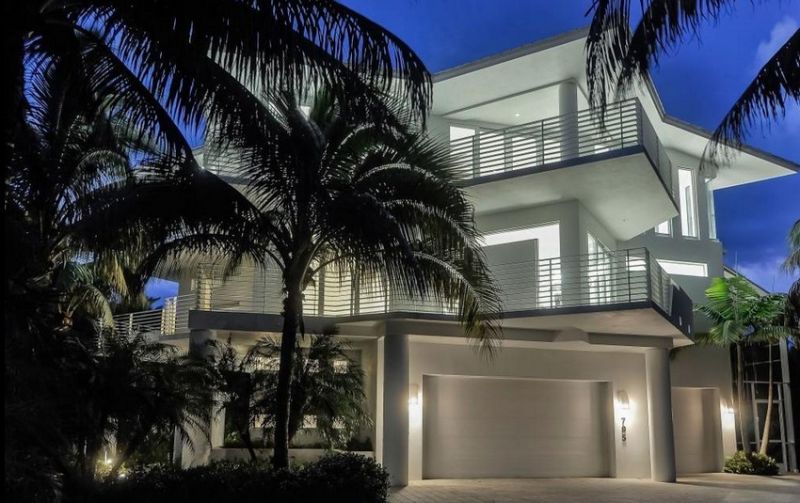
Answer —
751 463
339 477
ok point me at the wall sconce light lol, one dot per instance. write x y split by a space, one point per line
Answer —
413 394
624 406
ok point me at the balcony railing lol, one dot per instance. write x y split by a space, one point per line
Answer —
556 140
172 318
615 278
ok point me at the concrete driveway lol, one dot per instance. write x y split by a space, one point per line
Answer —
706 488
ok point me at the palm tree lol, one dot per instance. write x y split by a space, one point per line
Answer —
618 57
243 388
792 263
326 190
742 316
326 384
66 152
160 64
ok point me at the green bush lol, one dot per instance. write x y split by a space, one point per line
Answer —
751 463
342 477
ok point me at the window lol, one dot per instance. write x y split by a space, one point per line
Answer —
548 268
491 152
462 147
458 133
682 268
712 214
688 202
598 271
664 228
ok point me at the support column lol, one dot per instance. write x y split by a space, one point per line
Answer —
395 407
567 109
659 411
202 444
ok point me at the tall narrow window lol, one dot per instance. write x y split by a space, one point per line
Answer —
712 213
462 148
688 205
598 271
664 228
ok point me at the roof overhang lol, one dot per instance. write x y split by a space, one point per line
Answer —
518 81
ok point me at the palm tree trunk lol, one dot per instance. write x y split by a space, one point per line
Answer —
248 442
292 310
768 419
745 435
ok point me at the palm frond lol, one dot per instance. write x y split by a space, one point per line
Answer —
765 98
618 57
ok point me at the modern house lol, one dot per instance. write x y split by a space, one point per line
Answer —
601 235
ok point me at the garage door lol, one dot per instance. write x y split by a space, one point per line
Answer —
698 437
476 427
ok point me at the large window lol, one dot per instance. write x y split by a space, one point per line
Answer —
548 267
688 202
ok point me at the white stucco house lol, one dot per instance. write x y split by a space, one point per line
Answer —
601 236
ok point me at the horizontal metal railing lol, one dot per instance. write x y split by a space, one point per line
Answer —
172 318
557 139
606 278
613 277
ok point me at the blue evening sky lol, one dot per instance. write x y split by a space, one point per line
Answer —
697 83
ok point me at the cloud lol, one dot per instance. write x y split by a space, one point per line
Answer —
778 36
767 274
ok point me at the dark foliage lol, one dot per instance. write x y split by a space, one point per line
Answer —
336 478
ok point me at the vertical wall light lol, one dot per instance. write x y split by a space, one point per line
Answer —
624 406
413 394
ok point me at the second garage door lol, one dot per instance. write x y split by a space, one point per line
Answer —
476 427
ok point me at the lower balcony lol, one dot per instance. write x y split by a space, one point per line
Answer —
619 292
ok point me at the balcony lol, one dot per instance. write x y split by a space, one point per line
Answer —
615 165
548 293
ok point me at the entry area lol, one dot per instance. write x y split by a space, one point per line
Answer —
482 427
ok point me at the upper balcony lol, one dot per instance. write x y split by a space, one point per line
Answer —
614 164
619 292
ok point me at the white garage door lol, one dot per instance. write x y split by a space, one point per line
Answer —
698 436
476 427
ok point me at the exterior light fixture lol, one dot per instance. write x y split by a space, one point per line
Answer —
624 406
413 394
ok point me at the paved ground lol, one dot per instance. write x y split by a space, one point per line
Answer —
706 488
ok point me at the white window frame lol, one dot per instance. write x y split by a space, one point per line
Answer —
664 228
688 203
712 213
684 268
